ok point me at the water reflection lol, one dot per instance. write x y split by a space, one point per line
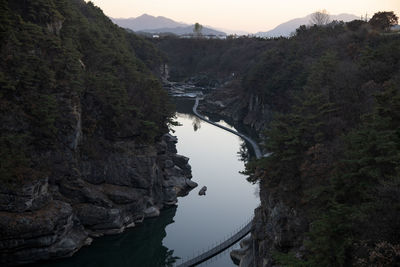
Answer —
199 221
243 153
140 246
216 159
196 124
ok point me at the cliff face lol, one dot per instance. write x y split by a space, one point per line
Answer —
83 135
53 216
232 102
280 224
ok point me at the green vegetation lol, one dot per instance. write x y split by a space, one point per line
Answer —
384 20
64 57
197 29
215 59
335 137
335 140
334 91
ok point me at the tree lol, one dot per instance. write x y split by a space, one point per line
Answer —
320 17
384 20
197 29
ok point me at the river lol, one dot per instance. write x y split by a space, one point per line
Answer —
197 221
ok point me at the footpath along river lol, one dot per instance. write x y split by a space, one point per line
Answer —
197 222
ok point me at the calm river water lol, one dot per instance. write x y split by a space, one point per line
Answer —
198 221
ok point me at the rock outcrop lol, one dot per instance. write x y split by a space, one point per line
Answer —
243 256
202 191
229 102
280 224
53 217
83 122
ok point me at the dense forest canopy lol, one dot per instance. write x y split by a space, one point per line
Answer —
211 57
335 139
334 92
57 54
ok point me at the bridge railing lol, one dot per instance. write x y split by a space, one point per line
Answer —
256 148
233 237
199 256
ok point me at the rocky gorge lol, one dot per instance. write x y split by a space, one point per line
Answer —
85 152
325 109
279 222
84 142
50 219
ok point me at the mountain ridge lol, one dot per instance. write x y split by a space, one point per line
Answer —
290 26
184 31
160 24
147 22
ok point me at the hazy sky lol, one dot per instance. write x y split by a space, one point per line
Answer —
247 15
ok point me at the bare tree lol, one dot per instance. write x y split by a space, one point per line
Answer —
320 17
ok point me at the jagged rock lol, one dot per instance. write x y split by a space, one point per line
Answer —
151 212
123 194
32 195
191 184
82 192
175 171
169 163
170 195
170 141
96 218
277 226
123 170
243 256
180 161
202 191
86 173
49 232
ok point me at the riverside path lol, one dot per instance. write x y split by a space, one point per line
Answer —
241 232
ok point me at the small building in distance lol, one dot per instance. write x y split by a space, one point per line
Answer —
395 28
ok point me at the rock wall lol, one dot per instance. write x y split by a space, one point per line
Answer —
280 225
83 147
230 102
55 216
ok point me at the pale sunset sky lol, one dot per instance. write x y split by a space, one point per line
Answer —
247 15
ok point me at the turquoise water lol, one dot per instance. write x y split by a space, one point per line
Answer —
198 221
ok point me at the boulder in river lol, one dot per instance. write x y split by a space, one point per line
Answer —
202 191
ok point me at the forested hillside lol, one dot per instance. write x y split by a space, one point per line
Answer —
328 100
217 59
83 130
334 144
57 52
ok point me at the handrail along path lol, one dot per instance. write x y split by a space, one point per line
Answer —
243 231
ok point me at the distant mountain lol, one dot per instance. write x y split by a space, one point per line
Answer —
147 22
151 24
285 29
185 30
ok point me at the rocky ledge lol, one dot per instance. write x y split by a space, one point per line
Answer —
54 217
229 101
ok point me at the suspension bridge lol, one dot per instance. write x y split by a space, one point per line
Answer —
242 231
